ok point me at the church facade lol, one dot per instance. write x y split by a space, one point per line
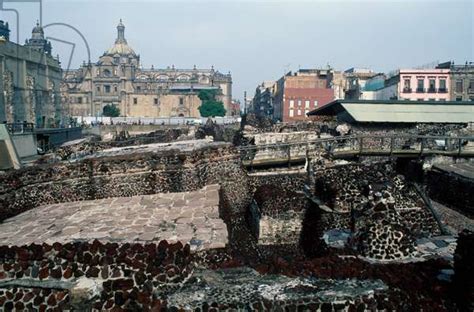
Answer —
118 79
30 80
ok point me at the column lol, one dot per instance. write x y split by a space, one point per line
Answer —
3 112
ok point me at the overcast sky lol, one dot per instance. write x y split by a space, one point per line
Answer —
259 40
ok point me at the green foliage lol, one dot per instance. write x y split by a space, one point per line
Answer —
210 107
111 111
207 95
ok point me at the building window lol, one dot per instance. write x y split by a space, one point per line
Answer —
292 103
135 101
306 104
442 86
79 100
107 88
291 114
98 89
471 99
299 112
420 86
458 99
432 86
299 103
315 103
139 88
155 100
306 111
406 86
471 85
459 86
181 101
115 89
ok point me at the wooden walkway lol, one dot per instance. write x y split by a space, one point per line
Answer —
356 146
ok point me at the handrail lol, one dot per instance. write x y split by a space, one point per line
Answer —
415 145
358 137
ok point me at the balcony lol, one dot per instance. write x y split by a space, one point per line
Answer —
420 90
442 90
406 90
431 90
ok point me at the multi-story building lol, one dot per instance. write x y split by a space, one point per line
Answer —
234 108
298 93
30 80
355 79
372 87
118 79
424 84
462 81
410 84
262 103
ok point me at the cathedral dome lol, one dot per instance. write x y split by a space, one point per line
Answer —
38 29
121 46
120 49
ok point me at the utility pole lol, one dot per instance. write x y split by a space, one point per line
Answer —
245 102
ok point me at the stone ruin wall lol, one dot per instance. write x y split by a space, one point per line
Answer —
267 138
120 277
451 189
281 205
412 129
384 212
127 175
120 139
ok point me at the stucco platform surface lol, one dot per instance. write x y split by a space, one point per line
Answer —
190 217
465 170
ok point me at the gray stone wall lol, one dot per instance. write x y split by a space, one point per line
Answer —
30 86
127 175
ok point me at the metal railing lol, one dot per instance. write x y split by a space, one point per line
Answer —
359 145
20 127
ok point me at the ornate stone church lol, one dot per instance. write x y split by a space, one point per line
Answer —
29 80
118 79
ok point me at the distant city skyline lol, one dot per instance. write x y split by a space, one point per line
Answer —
261 40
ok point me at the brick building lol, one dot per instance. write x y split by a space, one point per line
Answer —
234 108
301 92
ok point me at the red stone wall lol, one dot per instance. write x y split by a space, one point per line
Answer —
129 273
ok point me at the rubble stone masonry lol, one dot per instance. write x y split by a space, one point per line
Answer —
124 172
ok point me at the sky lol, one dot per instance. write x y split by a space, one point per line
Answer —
255 40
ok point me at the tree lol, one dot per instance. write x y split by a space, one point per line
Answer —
210 107
111 110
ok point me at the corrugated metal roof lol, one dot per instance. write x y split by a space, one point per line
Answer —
400 111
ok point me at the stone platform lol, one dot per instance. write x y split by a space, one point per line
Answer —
465 170
190 217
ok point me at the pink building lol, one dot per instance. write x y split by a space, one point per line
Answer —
424 85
